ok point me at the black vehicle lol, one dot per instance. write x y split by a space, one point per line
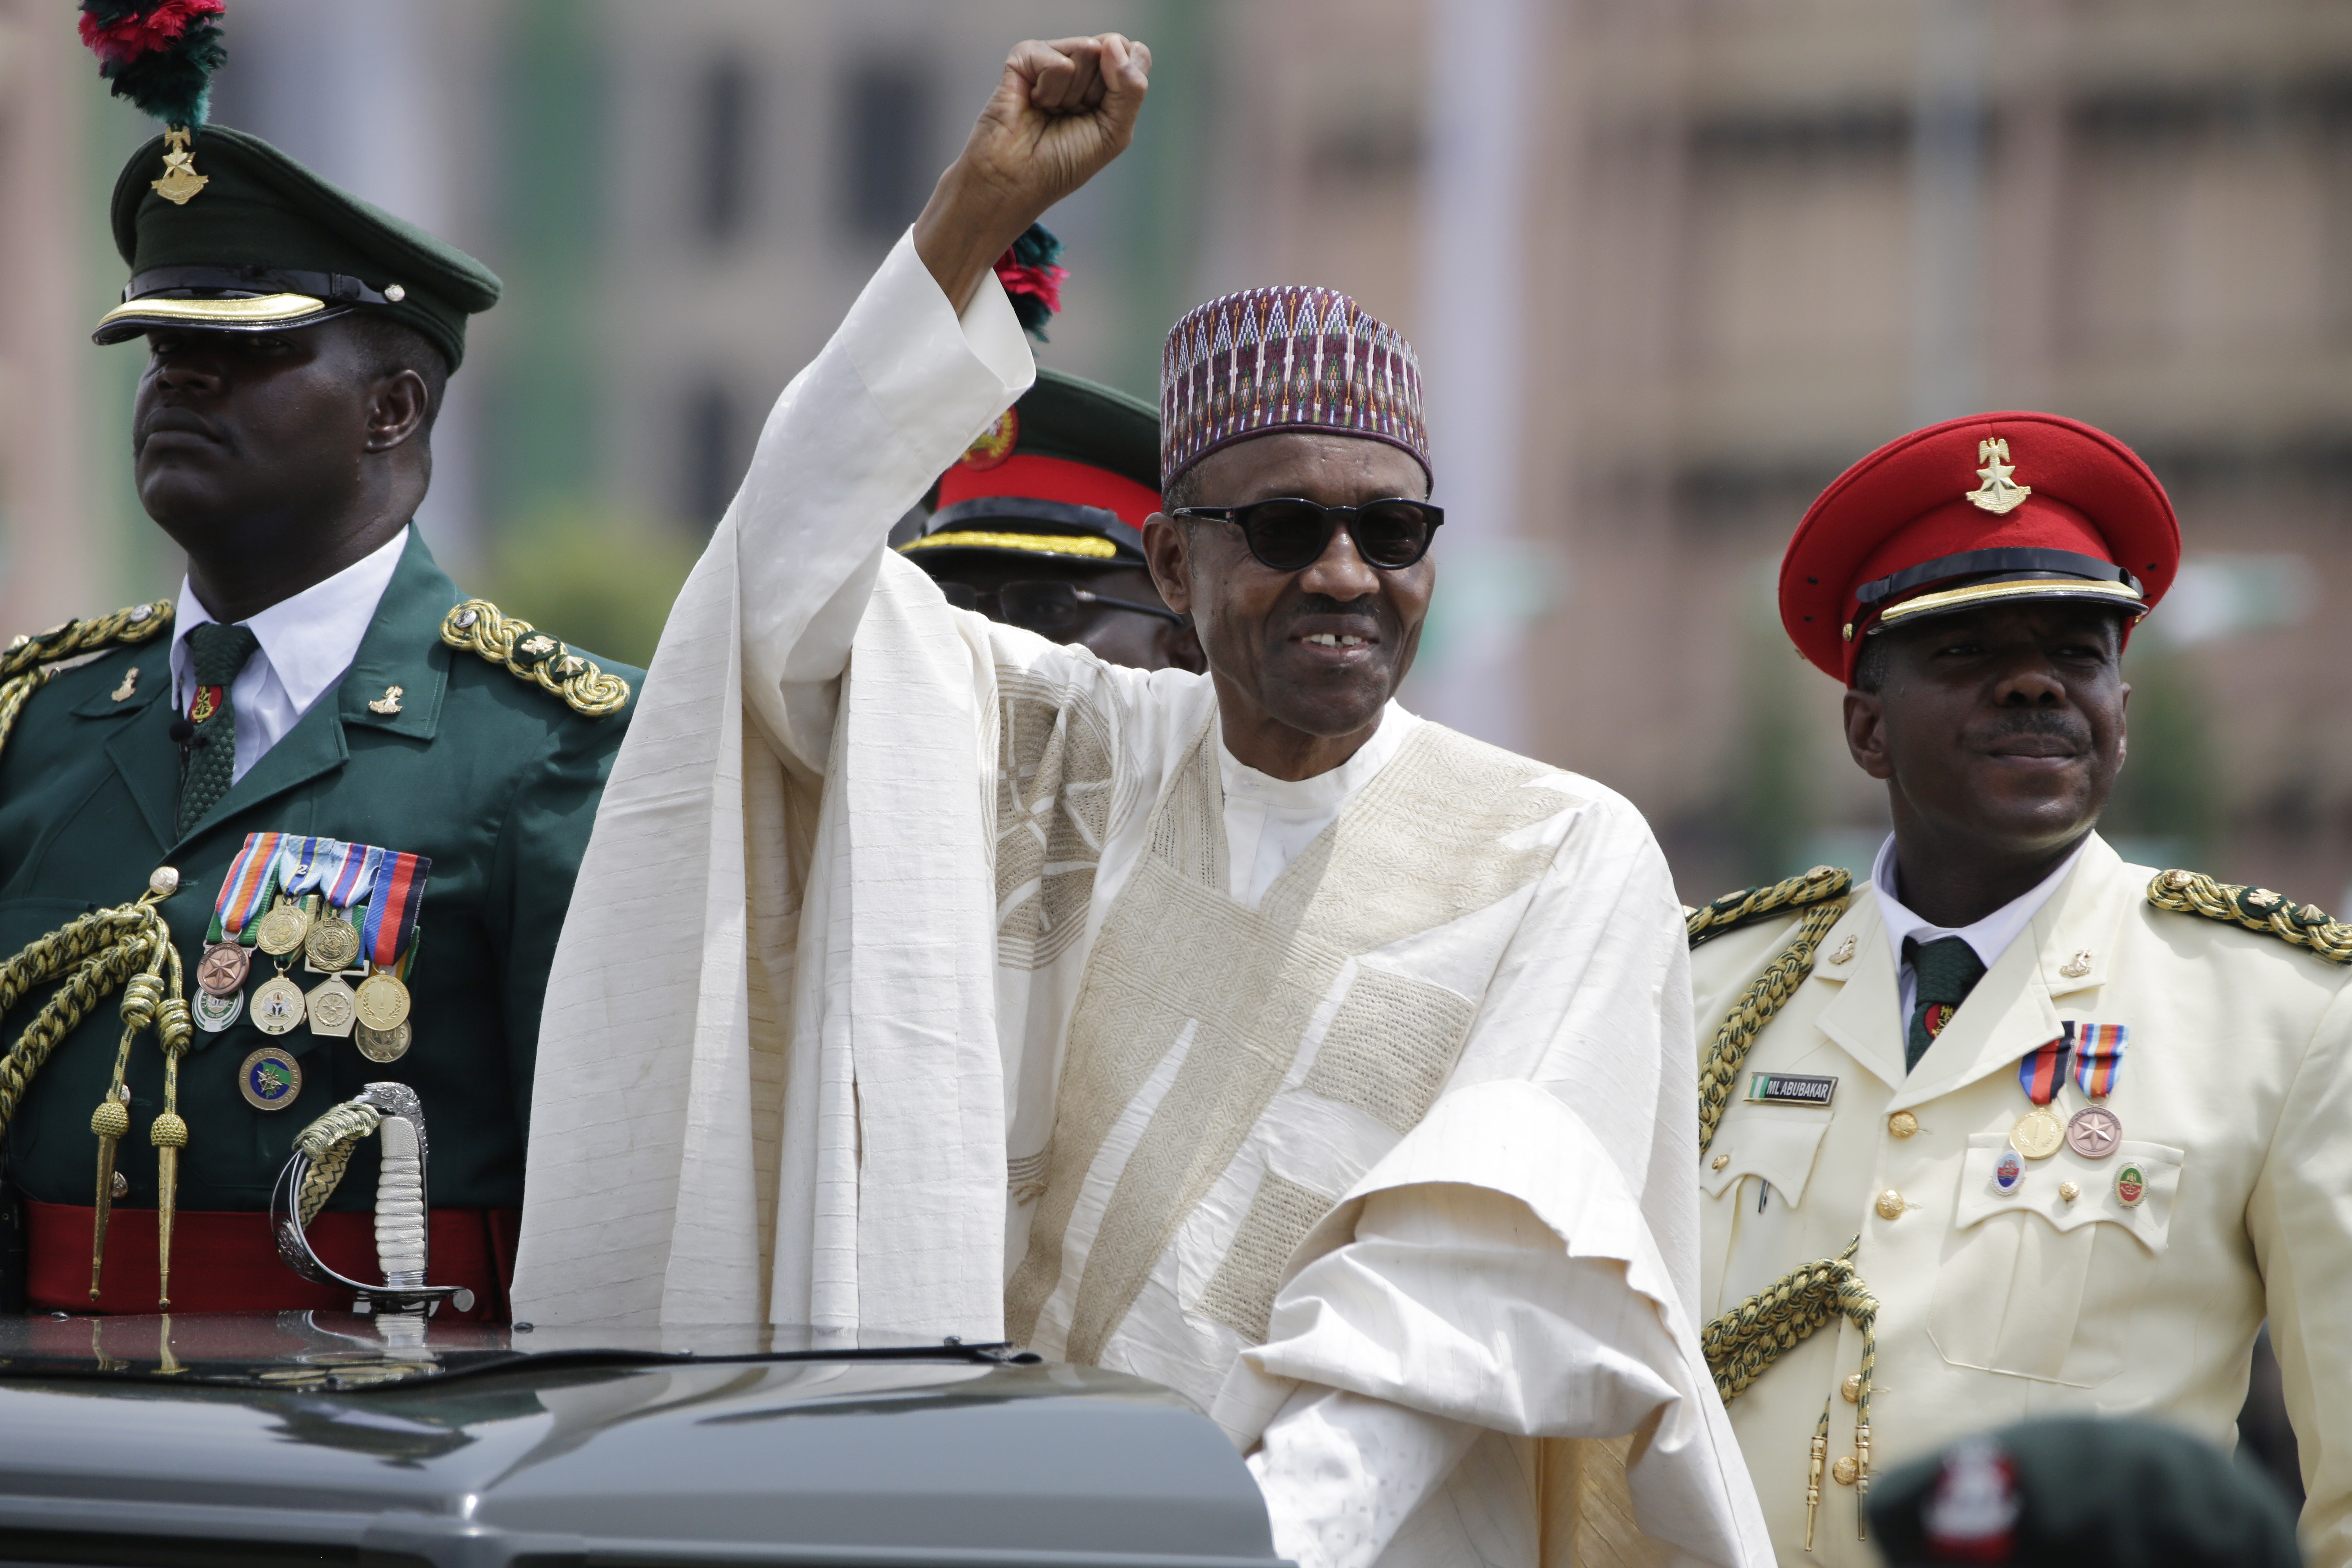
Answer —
391 1441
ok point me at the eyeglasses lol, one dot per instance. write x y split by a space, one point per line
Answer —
1050 610
1288 534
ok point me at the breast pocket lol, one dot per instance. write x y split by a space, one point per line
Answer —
2040 1285
1768 1154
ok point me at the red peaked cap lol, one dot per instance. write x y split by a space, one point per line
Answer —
1928 498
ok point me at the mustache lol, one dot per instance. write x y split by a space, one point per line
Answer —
2039 723
1369 606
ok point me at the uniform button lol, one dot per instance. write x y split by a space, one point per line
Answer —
164 882
1844 1470
1890 1205
1851 1388
1720 1161
1903 1124
2069 1191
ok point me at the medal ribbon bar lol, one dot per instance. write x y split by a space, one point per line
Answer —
247 888
2040 1071
2099 1056
392 913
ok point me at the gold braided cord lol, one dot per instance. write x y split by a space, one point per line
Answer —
94 954
13 693
2307 926
134 625
1711 921
1765 996
534 656
328 1143
1740 1343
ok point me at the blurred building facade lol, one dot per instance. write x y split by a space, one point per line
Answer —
1671 263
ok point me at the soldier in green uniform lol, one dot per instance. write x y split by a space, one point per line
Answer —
1040 524
431 763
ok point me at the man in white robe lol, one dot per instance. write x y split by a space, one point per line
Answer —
1245 1033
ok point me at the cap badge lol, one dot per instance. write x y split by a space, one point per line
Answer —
996 443
1996 492
179 179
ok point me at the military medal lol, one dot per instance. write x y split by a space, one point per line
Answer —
277 1005
385 936
2131 1185
2039 1133
221 971
2095 1133
2098 1064
382 1044
270 1079
334 942
283 928
215 1013
331 1006
2008 1173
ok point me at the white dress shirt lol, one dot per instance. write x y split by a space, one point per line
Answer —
307 643
1268 821
1990 937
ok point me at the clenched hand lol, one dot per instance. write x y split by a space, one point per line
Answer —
1062 111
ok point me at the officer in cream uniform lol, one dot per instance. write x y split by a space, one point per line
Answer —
2015 1128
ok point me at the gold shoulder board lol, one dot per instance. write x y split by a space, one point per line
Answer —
135 625
2256 908
1735 910
28 662
532 655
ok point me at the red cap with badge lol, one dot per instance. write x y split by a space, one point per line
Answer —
1975 510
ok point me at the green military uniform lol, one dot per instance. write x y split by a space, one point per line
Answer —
492 777
455 734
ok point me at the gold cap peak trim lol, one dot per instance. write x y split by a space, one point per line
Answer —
1035 543
253 310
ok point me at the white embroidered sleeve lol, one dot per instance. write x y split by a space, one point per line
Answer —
902 387
1342 1473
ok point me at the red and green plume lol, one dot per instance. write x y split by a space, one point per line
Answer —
1029 275
159 54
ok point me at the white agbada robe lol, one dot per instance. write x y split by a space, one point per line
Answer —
923 975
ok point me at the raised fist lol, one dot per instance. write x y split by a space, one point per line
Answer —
1061 111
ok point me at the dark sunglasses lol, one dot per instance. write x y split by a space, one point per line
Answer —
1288 534
1049 609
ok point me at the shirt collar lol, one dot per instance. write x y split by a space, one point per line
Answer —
1325 790
1990 937
310 638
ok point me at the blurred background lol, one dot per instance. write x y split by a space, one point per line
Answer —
1671 265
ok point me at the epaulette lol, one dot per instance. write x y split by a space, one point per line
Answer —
2257 909
1735 910
532 655
28 662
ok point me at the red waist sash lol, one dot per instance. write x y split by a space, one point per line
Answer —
225 1261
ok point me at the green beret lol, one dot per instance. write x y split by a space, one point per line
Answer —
231 235
1071 470
2082 1493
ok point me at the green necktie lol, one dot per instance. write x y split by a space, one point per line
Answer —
216 653
1947 969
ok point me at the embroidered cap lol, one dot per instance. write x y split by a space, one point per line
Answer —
1972 511
1292 358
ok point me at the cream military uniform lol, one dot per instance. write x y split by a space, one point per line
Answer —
2058 1296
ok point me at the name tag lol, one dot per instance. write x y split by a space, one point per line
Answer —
1789 1089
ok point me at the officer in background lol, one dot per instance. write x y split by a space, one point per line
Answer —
2076 1492
1041 525
2014 1129
382 761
